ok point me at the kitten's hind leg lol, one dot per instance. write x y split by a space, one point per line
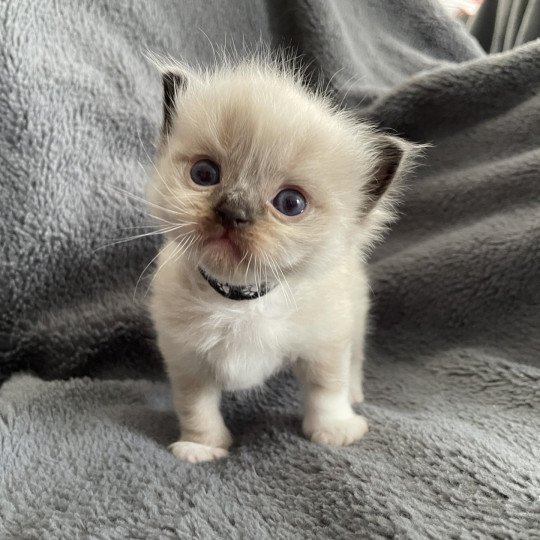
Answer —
356 375
328 415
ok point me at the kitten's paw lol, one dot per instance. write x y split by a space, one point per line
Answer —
338 432
195 452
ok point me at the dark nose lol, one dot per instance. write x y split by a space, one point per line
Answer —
233 216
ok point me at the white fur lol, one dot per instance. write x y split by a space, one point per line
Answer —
314 319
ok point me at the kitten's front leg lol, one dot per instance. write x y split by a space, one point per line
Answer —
328 415
203 434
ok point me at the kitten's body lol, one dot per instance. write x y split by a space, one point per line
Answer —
241 344
265 134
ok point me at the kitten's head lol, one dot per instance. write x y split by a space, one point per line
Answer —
257 176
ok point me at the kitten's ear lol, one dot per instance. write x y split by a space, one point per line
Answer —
174 82
394 155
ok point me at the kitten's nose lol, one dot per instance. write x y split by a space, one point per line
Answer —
233 216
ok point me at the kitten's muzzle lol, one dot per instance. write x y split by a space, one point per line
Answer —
232 215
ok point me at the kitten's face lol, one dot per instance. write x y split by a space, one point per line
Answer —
260 177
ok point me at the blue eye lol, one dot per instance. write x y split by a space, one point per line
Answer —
205 173
290 202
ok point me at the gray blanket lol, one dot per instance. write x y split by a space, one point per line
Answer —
452 383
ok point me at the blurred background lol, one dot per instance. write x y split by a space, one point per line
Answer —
463 9
499 25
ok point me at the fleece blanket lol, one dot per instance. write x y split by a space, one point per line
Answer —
453 370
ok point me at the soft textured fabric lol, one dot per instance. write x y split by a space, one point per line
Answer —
453 370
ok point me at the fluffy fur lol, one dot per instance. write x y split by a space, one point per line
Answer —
266 131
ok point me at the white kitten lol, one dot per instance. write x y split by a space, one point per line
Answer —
271 197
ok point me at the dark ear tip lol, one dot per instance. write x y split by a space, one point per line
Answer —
173 83
393 148
393 154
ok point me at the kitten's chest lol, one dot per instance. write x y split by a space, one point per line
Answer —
244 344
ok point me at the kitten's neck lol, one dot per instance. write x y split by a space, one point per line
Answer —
236 292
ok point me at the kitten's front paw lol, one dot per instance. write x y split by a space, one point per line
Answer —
337 432
195 452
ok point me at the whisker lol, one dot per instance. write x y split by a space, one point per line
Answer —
190 253
143 272
273 266
144 201
183 224
247 267
265 269
149 158
240 261
148 226
288 287
256 269
181 204
258 273
285 281
136 237
185 249
179 246
169 155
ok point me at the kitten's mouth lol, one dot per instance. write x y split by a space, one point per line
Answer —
223 242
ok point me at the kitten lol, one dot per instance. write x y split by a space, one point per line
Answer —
271 197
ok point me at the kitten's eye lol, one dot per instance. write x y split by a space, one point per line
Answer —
205 173
290 202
